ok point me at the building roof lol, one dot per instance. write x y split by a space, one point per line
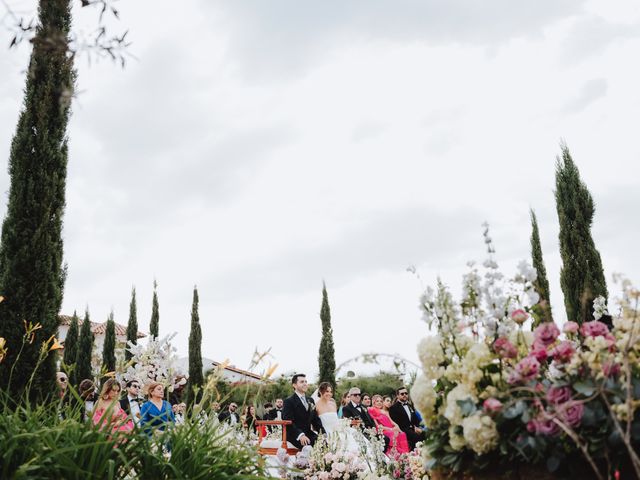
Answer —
99 328
232 368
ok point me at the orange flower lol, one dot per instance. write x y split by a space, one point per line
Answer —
3 349
56 345
30 330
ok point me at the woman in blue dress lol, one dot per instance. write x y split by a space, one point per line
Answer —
156 413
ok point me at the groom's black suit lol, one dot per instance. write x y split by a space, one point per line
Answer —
399 415
303 419
351 411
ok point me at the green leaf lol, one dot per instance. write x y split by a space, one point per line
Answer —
585 388
514 410
553 463
467 407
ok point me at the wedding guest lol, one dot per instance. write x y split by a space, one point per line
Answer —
156 413
403 413
276 413
107 411
354 409
230 415
366 400
178 390
266 410
380 413
131 402
250 419
87 391
62 381
343 402
178 412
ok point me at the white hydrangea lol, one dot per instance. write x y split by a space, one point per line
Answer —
424 397
455 439
431 356
452 410
480 433
600 307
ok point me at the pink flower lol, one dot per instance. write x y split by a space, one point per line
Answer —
539 351
570 327
594 328
492 405
547 333
611 369
571 412
519 316
563 351
557 395
526 369
505 348
543 426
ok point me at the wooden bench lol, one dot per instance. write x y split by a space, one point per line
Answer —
265 448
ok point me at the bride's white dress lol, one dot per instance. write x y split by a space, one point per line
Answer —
347 438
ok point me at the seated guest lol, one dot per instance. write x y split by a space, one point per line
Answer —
156 413
178 412
276 413
87 391
403 413
250 418
230 415
343 402
131 402
108 413
380 414
366 400
354 409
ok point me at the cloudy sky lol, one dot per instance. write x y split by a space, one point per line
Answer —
255 149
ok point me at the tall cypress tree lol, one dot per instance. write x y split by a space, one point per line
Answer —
542 309
154 326
195 350
326 353
31 269
132 325
581 277
109 346
71 348
85 348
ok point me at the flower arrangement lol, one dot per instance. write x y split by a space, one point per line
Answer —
496 395
155 362
326 462
407 466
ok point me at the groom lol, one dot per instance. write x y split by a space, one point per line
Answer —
300 410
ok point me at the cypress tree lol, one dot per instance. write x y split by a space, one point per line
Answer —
154 326
195 350
85 349
31 248
542 310
326 353
581 276
109 346
71 348
132 325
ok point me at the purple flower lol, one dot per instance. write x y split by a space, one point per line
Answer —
563 351
557 395
547 333
594 328
505 348
526 369
543 426
539 351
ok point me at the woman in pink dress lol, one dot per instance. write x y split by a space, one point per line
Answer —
107 412
397 438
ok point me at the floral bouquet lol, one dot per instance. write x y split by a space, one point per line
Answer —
325 463
497 396
407 466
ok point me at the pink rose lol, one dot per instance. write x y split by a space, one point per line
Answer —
539 351
594 328
492 405
571 412
547 333
558 395
505 348
543 426
570 327
526 369
563 351
519 316
611 369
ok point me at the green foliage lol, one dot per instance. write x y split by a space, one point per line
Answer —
154 326
195 350
256 394
132 325
71 349
383 383
48 441
109 347
326 353
85 348
542 310
581 277
31 247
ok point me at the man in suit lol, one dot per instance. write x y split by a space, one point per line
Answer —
300 410
355 409
403 413
131 401
276 413
230 415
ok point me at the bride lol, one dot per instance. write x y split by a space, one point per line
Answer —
348 439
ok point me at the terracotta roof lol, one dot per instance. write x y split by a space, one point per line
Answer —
231 368
99 328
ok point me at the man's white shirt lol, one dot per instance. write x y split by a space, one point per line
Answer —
134 407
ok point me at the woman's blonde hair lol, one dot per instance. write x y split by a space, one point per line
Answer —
107 387
151 387
375 397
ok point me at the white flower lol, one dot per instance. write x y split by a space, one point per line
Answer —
480 433
431 355
452 410
424 397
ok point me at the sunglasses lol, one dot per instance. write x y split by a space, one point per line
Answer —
403 393
355 394
135 386
63 380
